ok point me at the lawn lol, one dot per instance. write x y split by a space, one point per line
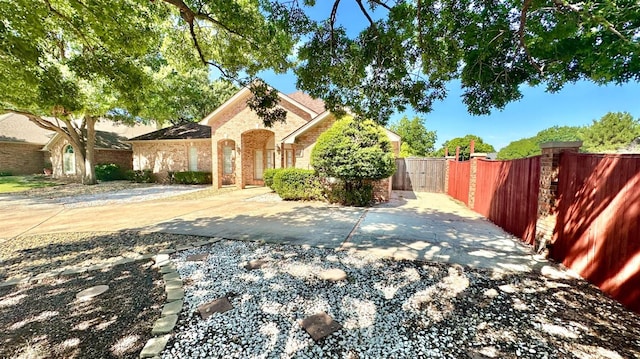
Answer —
22 183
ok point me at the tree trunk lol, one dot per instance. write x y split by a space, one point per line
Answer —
89 170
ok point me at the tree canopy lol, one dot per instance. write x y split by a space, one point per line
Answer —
416 139
465 149
611 132
527 147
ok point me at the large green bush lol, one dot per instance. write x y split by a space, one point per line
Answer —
356 153
268 175
349 195
297 184
140 176
192 177
109 172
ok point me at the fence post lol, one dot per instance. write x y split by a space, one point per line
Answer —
473 175
448 160
548 190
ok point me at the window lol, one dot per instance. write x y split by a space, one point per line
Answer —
227 160
69 160
299 153
288 158
193 158
271 158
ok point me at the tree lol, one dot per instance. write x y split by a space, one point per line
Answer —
355 151
527 147
416 139
64 65
522 148
411 49
187 97
611 132
465 149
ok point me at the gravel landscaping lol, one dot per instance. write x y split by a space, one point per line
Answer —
389 309
44 319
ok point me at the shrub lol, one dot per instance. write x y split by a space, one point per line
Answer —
5 173
268 176
345 193
297 184
356 152
109 172
192 177
140 176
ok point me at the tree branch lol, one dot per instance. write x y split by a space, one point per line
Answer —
523 23
578 9
378 2
366 14
332 22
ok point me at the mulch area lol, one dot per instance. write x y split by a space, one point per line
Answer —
45 320
41 253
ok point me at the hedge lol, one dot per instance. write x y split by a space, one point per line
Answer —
297 184
140 176
109 172
192 177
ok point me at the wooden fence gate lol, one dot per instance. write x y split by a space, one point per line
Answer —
419 174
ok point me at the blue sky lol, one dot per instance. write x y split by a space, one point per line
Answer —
575 105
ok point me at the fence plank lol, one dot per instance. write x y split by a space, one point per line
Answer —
419 174
598 225
459 175
507 194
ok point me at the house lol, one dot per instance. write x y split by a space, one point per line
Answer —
183 147
21 143
242 147
25 148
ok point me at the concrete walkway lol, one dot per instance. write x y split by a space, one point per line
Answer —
422 226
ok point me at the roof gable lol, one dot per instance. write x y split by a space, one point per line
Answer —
314 104
240 99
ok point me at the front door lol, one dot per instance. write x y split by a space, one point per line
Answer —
259 167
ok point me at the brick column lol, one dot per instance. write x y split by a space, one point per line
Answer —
473 175
448 159
548 190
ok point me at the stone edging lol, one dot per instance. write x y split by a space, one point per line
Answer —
174 290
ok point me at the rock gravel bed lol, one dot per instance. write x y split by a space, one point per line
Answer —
390 309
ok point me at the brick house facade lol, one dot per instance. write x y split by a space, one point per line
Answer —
26 148
183 147
242 147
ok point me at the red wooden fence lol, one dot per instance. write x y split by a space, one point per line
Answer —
598 227
459 175
507 194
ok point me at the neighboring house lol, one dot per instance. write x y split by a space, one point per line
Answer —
184 147
242 147
21 143
26 148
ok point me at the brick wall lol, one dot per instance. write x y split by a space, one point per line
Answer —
170 156
123 158
307 141
21 158
382 190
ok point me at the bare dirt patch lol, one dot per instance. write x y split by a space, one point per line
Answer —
45 320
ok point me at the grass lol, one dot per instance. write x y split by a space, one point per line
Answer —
10 184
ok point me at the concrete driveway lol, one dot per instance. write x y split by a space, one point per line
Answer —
422 226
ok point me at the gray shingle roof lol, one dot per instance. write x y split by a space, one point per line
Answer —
185 131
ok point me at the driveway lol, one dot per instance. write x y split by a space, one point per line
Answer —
418 226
